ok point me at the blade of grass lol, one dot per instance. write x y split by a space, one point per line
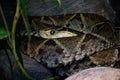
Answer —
16 17
26 22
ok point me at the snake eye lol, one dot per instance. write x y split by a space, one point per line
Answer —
52 32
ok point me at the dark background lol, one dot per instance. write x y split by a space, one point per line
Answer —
10 5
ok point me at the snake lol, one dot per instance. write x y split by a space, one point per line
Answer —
78 35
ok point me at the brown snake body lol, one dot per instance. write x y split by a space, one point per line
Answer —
74 35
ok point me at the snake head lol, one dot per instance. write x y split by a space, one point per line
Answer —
50 34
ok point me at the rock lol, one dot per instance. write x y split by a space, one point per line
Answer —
97 73
33 68
50 7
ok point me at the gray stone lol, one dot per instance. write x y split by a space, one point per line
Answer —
33 68
50 7
97 73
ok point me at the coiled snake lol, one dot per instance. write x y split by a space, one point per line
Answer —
63 39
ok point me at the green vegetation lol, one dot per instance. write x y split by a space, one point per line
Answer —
3 33
9 35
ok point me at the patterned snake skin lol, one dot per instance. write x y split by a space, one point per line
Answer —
63 39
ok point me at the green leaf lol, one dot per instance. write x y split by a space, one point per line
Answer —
59 2
3 33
